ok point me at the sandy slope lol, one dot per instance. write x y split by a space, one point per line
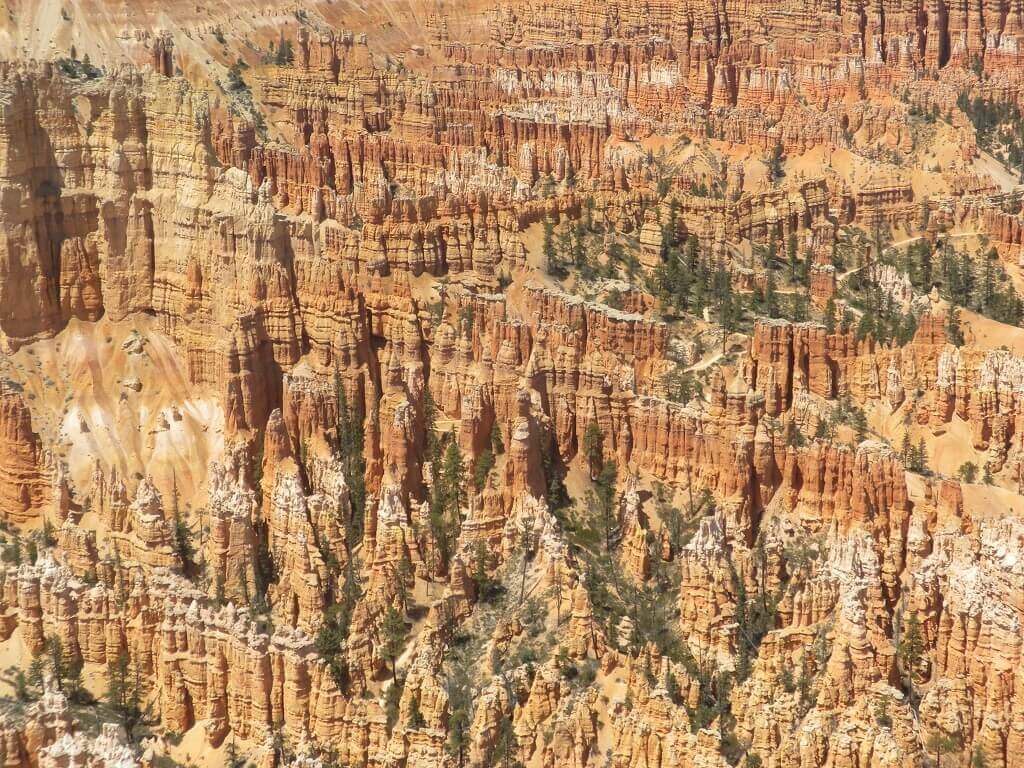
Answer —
119 391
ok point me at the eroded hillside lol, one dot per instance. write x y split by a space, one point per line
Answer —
528 384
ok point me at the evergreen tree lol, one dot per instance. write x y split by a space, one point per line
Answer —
588 215
800 307
415 715
771 299
124 693
74 683
866 326
497 445
557 495
910 652
36 672
504 753
182 535
460 704
482 469
830 316
564 246
350 450
405 575
394 633
941 744
285 54
791 252
605 493
21 686
906 450
54 650
775 162
968 472
593 451
234 760
448 497
579 250
986 284
235 80
439 525
453 480
548 246
921 457
334 630
433 444
859 423
486 587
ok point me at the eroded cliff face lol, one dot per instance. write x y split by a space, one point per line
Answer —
316 427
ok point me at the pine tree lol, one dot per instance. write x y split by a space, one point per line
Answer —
771 300
941 744
438 522
453 479
497 444
394 633
334 630
791 257
911 651
605 491
430 427
482 469
415 714
557 495
775 162
350 450
830 316
404 575
593 442
548 246
588 215
447 498
800 307
55 652
285 54
866 326
74 683
182 535
579 251
906 449
860 423
233 758
481 578
124 693
21 686
986 286
564 245
968 472
36 670
460 703
504 753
